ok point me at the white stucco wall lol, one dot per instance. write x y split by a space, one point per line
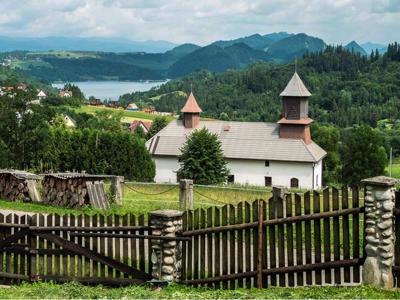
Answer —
253 172
166 168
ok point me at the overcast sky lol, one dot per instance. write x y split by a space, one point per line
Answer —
202 21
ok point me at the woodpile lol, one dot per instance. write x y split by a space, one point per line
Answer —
70 192
18 185
12 188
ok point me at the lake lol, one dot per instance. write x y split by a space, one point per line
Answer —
111 89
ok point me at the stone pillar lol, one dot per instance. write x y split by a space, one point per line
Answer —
186 194
379 202
117 189
166 254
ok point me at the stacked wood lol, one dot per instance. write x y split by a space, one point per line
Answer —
13 188
70 192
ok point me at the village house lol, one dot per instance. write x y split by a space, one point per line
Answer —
41 95
257 153
65 94
144 124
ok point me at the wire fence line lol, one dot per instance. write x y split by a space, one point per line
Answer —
219 187
149 194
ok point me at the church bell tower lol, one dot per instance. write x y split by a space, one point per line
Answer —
191 112
295 123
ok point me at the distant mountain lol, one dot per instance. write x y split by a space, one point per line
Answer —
368 47
356 48
8 44
294 46
216 59
277 36
255 41
183 50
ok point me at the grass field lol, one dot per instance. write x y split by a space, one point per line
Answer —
78 291
142 198
131 115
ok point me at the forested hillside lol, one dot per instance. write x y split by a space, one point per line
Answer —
347 89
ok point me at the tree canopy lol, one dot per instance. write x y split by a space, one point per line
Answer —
202 158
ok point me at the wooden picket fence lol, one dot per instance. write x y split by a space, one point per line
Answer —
308 239
98 249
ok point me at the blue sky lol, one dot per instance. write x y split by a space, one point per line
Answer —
202 21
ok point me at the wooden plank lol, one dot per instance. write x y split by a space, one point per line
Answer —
142 261
109 246
217 264
117 246
209 251
15 255
87 263
224 251
327 235
184 247
289 233
202 245
260 245
2 236
299 240
317 237
65 258
247 213
281 242
264 245
307 228
49 245
80 259
132 222
125 244
336 234
346 233
255 215
72 258
196 223
56 258
41 269
272 240
356 234
189 272
10 238
95 246
240 242
232 246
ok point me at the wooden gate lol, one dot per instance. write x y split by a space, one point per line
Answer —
96 249
308 239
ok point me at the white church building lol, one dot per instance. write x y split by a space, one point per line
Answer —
257 153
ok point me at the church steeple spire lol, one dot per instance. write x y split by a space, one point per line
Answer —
295 122
191 112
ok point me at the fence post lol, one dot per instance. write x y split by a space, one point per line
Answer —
186 194
379 202
166 254
116 189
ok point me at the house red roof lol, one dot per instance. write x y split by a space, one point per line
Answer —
135 124
191 105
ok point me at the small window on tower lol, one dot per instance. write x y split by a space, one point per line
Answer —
267 163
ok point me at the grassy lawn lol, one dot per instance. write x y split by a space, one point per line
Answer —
78 291
137 115
395 168
143 198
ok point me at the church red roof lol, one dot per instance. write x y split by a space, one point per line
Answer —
191 105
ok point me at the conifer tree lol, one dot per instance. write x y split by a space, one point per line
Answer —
202 159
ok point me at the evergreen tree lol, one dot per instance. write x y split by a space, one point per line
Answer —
158 124
140 132
362 153
202 159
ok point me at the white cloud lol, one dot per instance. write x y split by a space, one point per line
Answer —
336 21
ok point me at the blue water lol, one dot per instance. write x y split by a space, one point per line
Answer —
111 89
